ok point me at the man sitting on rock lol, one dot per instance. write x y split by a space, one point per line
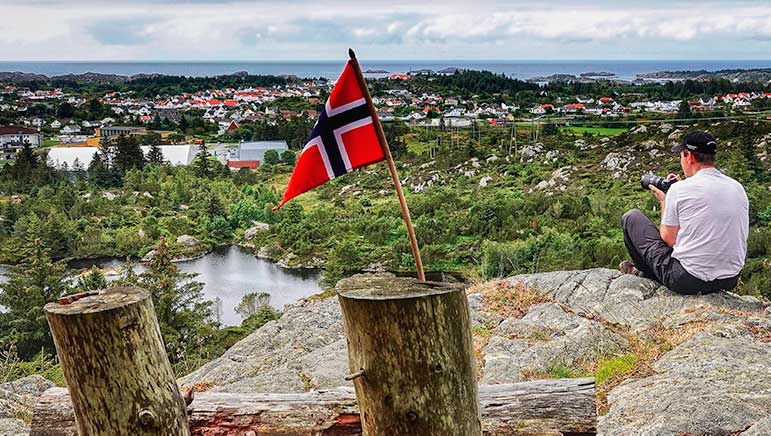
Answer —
702 241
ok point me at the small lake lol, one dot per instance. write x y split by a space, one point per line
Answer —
230 272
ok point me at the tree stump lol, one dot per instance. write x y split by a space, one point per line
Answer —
115 364
410 353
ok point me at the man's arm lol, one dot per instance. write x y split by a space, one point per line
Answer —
668 233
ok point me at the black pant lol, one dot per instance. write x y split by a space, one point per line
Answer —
653 258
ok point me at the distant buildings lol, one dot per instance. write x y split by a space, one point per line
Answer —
70 157
12 138
252 154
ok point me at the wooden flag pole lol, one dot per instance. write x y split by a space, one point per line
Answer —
391 166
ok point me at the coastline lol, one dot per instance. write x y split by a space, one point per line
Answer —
518 69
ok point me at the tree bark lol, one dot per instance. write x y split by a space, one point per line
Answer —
412 342
543 407
115 364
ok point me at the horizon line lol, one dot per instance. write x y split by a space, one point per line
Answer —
374 60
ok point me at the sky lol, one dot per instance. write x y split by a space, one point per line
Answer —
383 30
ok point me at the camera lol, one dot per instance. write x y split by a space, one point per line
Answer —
660 182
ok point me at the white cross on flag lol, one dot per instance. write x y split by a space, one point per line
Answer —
342 140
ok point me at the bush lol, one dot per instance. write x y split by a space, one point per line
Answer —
545 252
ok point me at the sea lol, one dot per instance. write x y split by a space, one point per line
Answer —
520 69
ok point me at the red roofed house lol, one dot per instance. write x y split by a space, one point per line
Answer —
573 107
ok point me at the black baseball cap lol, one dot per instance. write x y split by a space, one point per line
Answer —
700 142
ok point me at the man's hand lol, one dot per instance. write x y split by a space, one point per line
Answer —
674 176
660 195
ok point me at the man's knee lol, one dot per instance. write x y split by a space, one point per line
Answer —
630 217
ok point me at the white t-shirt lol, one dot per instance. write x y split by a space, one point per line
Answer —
712 211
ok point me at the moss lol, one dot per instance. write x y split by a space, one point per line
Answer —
614 367
508 300
323 295
555 370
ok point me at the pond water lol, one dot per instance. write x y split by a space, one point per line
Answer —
229 273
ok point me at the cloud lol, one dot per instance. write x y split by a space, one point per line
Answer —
122 31
301 29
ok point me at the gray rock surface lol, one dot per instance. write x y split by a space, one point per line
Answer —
627 299
13 427
760 428
546 336
303 349
717 382
16 401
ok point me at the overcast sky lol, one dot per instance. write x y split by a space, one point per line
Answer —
383 30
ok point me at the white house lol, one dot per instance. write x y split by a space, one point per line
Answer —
55 124
12 138
71 129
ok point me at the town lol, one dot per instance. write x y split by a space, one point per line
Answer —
72 126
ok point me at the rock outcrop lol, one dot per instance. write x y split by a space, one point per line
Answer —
712 377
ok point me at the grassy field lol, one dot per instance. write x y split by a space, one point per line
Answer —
602 131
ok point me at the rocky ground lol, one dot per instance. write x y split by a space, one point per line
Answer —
16 401
665 363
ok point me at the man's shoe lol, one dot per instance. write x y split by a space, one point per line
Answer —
627 267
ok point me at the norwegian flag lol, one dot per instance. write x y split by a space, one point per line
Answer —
342 140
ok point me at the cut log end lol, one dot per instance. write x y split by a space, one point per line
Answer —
384 286
110 299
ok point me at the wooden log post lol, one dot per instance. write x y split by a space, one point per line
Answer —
410 355
115 364
540 407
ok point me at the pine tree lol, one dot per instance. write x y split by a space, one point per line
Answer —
182 312
202 164
183 124
128 154
92 280
27 157
684 110
10 215
155 155
98 171
31 284
215 207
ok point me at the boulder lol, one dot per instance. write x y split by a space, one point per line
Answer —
484 181
617 163
17 399
530 152
256 228
675 136
187 240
